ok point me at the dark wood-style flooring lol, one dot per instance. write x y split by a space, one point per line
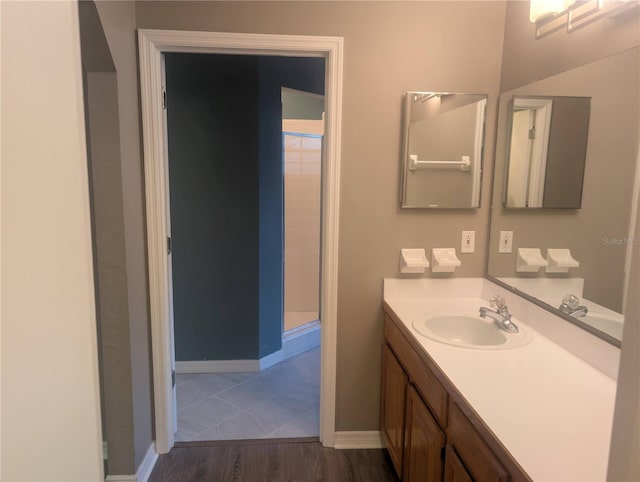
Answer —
262 462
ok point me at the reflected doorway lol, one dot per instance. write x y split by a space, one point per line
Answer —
302 133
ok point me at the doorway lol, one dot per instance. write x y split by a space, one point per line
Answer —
152 45
224 117
528 144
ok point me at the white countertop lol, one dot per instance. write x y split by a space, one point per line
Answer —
549 408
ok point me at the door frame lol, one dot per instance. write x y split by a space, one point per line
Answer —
540 145
152 44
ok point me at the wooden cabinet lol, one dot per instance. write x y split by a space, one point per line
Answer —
424 441
431 432
394 389
454 470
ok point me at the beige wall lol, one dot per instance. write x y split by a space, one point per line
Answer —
108 233
50 397
119 24
612 148
390 47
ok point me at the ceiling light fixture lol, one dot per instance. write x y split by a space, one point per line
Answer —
553 15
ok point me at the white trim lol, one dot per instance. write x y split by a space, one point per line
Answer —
477 153
294 343
270 360
359 440
539 155
229 366
0 241
301 339
144 470
538 162
121 478
152 43
148 463
290 347
217 366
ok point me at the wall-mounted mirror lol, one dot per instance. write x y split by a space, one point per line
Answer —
547 146
443 138
597 235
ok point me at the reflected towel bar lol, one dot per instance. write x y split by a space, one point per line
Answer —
414 163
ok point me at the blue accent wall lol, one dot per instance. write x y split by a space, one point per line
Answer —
226 199
213 167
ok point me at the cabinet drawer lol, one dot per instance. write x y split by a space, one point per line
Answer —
475 454
426 383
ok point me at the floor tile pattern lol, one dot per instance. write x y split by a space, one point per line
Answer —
279 402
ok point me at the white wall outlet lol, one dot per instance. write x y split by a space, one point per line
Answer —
468 242
506 242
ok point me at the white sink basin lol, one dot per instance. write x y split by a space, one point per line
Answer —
468 330
609 325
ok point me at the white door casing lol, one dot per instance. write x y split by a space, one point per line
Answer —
152 44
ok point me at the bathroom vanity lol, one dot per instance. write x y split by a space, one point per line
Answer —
428 426
452 413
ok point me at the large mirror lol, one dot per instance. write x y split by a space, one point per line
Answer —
547 151
443 138
597 235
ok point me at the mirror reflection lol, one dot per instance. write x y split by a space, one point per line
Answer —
547 151
442 149
597 236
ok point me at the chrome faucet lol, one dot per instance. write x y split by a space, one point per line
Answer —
571 306
500 314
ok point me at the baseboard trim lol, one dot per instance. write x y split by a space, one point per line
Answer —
121 478
359 440
148 463
144 470
294 342
270 360
217 366
301 339
222 366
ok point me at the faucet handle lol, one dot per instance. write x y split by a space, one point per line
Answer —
497 302
571 301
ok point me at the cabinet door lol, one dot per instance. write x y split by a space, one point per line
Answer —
394 386
424 441
454 471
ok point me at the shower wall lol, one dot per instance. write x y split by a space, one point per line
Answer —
302 161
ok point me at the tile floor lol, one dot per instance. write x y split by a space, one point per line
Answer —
281 401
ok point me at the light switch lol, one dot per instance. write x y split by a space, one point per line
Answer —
468 242
506 242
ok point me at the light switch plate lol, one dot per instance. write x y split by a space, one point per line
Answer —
468 242
506 242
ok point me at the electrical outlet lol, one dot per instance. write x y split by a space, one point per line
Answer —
468 242
506 242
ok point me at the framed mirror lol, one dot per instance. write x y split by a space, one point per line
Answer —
598 235
547 147
443 140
